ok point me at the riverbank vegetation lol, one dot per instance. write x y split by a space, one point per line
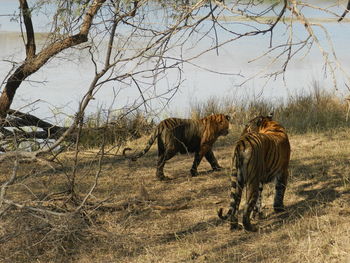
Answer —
117 211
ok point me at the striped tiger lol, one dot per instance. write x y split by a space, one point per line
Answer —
184 136
261 155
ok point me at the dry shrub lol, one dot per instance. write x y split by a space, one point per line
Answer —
30 237
213 105
114 130
317 110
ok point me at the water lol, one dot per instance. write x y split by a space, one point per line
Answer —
60 84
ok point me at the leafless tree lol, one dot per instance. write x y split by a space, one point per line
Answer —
153 38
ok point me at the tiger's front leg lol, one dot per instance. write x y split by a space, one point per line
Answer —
198 156
210 157
252 196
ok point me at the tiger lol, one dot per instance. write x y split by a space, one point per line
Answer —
261 154
175 135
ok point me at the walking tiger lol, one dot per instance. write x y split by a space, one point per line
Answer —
261 155
184 136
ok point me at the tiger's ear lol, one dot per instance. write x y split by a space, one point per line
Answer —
270 115
259 121
228 117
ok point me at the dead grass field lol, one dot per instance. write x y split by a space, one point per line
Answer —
145 220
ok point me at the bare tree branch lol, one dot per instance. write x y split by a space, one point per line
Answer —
345 12
30 45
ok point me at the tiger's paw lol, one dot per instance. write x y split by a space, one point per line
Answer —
250 228
218 168
194 173
162 177
259 215
279 209
165 178
235 226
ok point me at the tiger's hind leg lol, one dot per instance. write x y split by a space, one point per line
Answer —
162 158
196 161
280 188
252 196
164 153
257 211
160 167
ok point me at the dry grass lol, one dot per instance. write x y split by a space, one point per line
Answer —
145 220
313 110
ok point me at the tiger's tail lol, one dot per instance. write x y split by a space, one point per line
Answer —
150 142
236 179
236 162
224 217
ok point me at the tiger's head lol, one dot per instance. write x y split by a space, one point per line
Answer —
261 124
218 123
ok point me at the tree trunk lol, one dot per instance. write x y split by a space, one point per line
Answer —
35 62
